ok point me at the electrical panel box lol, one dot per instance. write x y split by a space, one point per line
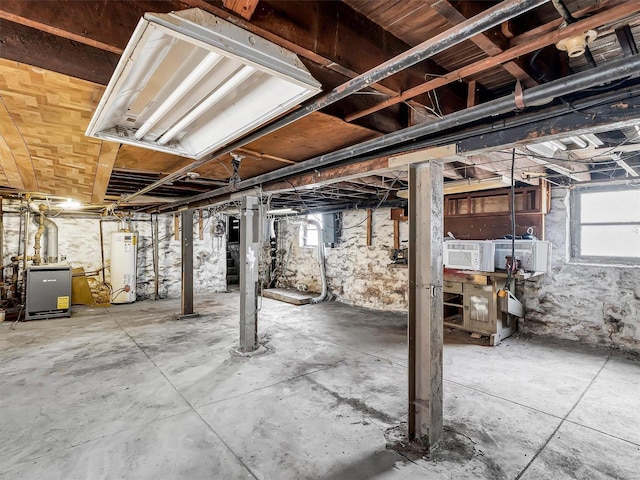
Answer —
48 292
330 228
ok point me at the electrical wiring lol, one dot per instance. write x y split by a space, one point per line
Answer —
13 326
428 109
437 102
523 169
382 200
514 265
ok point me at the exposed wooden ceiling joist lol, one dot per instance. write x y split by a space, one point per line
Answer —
244 8
597 20
486 44
311 29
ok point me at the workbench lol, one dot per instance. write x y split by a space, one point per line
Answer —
471 303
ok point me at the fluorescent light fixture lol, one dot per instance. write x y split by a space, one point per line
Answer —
627 168
556 168
592 139
282 211
547 149
189 83
542 149
579 142
468 185
474 184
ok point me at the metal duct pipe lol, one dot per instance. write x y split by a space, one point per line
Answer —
469 28
52 233
539 95
39 220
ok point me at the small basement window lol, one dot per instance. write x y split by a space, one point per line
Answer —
605 225
309 233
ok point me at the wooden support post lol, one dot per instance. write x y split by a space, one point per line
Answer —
369 228
249 265
176 226
396 234
200 225
472 93
425 302
187 263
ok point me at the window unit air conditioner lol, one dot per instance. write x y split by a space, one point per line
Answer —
477 255
534 255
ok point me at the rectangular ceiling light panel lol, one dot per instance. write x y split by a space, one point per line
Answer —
474 184
189 83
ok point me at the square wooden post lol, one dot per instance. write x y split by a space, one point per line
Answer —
425 302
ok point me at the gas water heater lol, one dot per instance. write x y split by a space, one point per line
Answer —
123 267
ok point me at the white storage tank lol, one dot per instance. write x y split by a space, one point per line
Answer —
123 266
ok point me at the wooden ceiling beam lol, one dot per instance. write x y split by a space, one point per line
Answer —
244 8
106 160
51 52
20 154
483 41
88 44
610 15
357 170
27 22
333 35
101 24
260 155
557 23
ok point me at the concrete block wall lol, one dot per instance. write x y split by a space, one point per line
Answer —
79 244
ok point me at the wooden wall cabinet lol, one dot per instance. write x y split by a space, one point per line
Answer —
486 215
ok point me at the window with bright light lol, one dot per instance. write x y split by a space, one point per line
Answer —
606 225
309 232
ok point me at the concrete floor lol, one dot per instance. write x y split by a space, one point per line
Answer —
129 392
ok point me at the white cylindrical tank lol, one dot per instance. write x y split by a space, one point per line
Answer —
124 247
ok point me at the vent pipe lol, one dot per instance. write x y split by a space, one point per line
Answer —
44 224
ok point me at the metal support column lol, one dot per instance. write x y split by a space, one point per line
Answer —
425 302
156 255
249 264
186 220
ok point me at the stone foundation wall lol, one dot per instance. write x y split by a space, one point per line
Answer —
594 304
79 245
591 304
356 274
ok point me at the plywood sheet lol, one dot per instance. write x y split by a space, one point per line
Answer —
46 115
16 157
311 136
145 160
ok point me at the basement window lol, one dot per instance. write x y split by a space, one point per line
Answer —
605 225
309 233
